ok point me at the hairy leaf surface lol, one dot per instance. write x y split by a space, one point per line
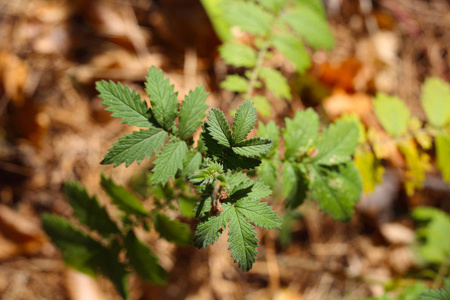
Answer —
244 121
254 147
169 161
219 127
192 112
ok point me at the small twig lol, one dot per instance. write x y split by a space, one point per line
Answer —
216 207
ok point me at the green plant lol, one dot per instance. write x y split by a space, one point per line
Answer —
219 168
408 135
267 27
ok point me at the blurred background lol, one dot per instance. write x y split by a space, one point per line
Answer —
53 128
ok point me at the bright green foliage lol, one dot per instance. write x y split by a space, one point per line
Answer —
337 144
191 163
214 10
238 55
275 82
272 132
247 16
219 127
436 101
293 49
301 133
244 121
124 104
144 262
172 230
208 174
122 198
88 211
235 83
135 147
439 294
443 155
262 105
392 114
254 147
436 244
169 161
192 112
162 97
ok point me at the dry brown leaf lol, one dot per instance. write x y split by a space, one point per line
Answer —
14 73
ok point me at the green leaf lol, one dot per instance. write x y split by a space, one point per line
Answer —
262 105
392 114
244 121
191 162
337 144
301 133
88 211
248 16
437 294
143 260
295 184
124 104
209 231
238 55
268 173
83 253
123 199
272 5
215 14
259 213
162 97
443 155
436 101
337 189
192 112
242 239
275 82
311 25
272 132
172 230
235 161
135 147
219 128
169 161
235 83
292 48
254 147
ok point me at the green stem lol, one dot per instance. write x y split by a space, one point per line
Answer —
259 62
443 270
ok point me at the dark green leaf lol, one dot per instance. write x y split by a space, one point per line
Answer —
192 112
169 161
219 128
244 121
172 230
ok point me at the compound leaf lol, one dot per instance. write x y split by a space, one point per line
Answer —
254 147
292 48
275 82
207 232
124 104
301 132
337 189
169 161
248 16
238 55
235 83
87 209
311 25
162 97
83 253
143 260
392 114
135 146
443 155
123 199
436 101
219 128
337 144
244 121
259 213
192 112
172 230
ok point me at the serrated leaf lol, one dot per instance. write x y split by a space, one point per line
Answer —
292 48
83 253
311 25
295 184
162 97
209 231
242 239
259 213
244 121
169 161
443 155
135 146
172 230
272 132
248 16
337 189
219 128
442 294
301 133
192 112
124 104
254 147
143 260
370 169
235 83
235 161
191 162
337 144
123 199
262 105
392 114
275 82
238 55
435 100
87 209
